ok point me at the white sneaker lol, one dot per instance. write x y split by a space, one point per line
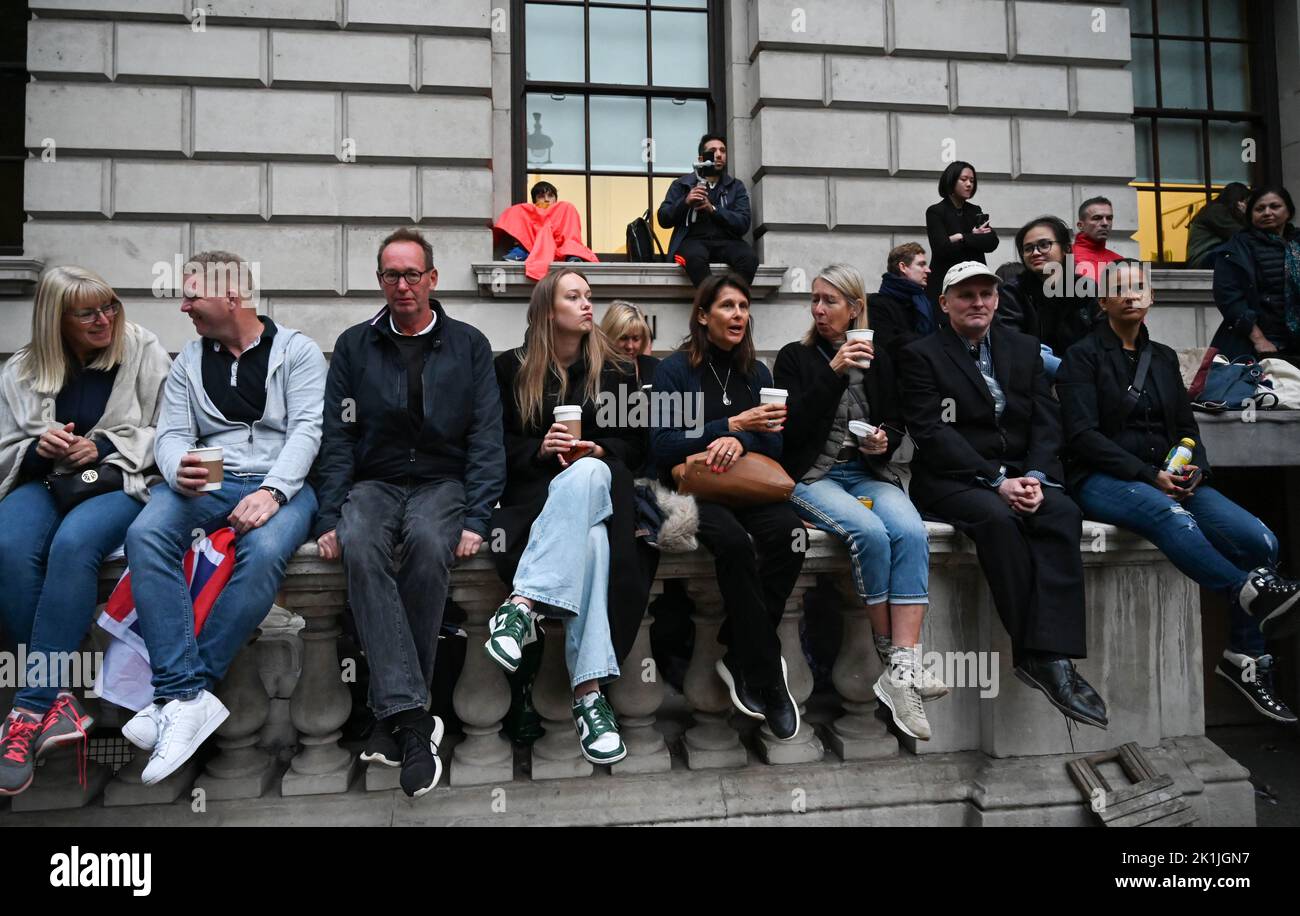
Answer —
512 627
142 730
895 688
184 726
927 683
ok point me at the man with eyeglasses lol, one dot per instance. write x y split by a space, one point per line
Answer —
254 388
412 452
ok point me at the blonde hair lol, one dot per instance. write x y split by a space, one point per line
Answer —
622 317
537 356
850 285
47 362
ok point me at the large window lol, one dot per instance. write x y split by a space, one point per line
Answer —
1203 79
610 101
13 93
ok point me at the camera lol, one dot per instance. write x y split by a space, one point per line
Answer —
707 169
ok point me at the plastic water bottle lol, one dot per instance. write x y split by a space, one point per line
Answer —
1179 456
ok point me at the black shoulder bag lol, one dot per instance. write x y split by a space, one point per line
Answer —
72 488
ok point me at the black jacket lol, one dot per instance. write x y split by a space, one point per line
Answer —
367 423
730 197
950 415
632 562
894 322
1238 296
1059 321
942 220
815 391
1091 386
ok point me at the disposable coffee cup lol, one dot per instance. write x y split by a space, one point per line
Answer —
866 334
863 431
772 395
571 416
211 459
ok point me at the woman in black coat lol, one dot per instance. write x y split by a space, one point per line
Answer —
834 468
568 512
1115 449
716 378
958 229
1257 281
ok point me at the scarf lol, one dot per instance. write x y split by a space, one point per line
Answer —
903 289
1292 271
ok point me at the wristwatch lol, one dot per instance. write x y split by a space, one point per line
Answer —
276 495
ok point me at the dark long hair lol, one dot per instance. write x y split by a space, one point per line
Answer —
696 342
948 180
1264 190
1058 227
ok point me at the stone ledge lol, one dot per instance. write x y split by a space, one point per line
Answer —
18 276
614 279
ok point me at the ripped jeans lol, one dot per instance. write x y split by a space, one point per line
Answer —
1209 538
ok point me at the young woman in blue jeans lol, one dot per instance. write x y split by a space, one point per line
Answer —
81 397
1115 449
834 469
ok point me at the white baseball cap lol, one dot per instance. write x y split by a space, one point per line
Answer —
964 271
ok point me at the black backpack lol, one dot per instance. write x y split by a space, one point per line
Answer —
640 238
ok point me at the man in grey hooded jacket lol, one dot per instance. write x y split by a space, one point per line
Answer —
256 390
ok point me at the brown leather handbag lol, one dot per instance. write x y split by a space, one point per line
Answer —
753 480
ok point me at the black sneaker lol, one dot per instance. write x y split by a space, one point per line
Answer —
381 747
743 697
16 753
1256 684
1273 601
421 767
782 711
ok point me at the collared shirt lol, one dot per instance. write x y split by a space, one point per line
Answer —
983 356
237 385
433 319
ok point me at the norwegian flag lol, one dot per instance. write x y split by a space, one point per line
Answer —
125 677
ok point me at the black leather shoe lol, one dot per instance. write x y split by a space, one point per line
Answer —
782 712
1065 689
744 697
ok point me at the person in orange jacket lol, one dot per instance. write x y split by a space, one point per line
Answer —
546 230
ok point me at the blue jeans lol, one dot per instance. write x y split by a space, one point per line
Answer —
888 542
566 567
184 665
49 574
1211 539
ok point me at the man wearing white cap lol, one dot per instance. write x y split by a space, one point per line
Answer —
988 437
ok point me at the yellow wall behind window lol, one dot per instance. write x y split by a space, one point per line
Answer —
572 188
1178 204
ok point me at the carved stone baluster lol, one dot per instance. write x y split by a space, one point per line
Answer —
557 754
482 694
711 743
636 697
240 769
858 734
127 789
805 747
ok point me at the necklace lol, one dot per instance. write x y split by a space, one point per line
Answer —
726 401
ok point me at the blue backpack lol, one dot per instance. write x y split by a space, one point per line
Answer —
1228 386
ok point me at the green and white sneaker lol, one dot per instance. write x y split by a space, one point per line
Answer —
597 729
511 628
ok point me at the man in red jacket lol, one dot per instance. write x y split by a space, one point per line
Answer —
1096 217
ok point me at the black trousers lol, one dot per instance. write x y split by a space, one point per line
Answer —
1032 564
398 615
755 577
698 253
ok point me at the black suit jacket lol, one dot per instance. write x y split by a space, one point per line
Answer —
950 415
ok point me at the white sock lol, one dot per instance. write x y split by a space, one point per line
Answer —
1237 658
589 699
905 659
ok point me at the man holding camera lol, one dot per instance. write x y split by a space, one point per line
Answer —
708 211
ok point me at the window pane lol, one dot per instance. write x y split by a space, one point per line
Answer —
677 126
1181 17
618 46
1139 15
1228 18
1226 152
1180 153
681 49
1176 210
554 41
690 4
618 134
1143 68
556 130
572 188
615 202
1142 134
1231 70
1182 74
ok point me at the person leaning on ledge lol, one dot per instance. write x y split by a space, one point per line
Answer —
987 434
255 389
412 451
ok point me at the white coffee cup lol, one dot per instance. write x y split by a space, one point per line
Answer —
866 334
211 456
571 416
862 430
772 395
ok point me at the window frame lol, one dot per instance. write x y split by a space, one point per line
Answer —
1262 116
713 95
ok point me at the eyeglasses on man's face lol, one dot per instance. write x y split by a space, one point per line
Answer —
412 277
88 316
1043 245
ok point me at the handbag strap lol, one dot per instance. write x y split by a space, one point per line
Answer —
1134 393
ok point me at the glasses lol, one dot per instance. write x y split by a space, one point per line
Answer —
88 316
412 277
1043 245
